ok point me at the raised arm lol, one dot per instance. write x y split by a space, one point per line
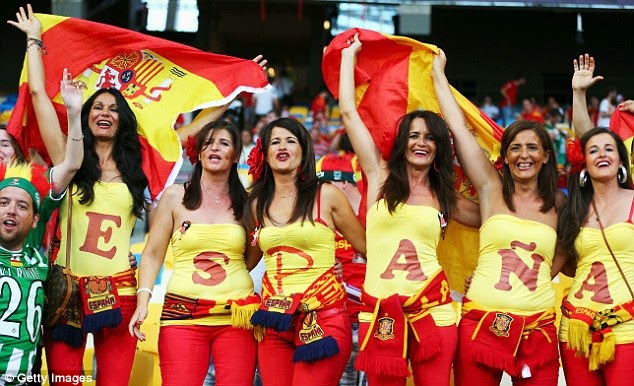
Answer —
154 255
47 120
63 173
209 114
582 80
367 152
475 164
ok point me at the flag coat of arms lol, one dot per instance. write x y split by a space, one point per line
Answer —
392 78
159 78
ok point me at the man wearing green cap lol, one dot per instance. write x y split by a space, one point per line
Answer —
22 273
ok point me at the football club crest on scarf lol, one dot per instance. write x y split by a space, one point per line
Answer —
385 328
501 325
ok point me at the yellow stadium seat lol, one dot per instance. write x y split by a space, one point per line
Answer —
299 112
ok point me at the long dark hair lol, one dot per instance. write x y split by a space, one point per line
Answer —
192 198
396 187
575 211
126 153
306 182
20 157
547 178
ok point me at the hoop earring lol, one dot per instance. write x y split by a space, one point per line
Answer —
621 175
583 178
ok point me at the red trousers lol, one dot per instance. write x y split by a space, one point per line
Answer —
435 371
467 370
184 352
275 356
114 351
619 372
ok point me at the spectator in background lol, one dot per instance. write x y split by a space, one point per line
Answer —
243 168
284 85
265 102
10 150
530 112
606 108
491 110
509 98
319 107
321 143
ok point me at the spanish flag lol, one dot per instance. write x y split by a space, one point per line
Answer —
622 123
160 79
392 78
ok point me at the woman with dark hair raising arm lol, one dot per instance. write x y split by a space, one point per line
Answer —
508 316
410 200
595 229
293 217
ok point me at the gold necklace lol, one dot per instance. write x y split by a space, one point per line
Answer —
288 195
217 199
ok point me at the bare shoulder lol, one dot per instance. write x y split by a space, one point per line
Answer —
330 193
172 194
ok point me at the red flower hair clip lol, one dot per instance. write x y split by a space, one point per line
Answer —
190 149
575 155
256 160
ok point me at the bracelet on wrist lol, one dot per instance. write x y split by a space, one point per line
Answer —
36 42
76 139
144 289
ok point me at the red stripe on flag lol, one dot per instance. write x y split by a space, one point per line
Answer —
385 100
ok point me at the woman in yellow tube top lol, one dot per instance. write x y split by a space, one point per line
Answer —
292 217
508 313
410 199
210 295
597 327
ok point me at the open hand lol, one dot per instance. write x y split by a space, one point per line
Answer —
583 78
27 22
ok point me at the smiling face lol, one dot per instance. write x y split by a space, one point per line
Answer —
421 146
17 217
526 156
602 157
284 153
103 119
218 151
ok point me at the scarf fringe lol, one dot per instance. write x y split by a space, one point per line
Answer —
241 315
579 337
259 332
320 349
427 348
602 352
495 359
375 364
278 322
104 319
70 335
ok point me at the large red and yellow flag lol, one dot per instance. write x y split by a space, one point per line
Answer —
392 78
160 79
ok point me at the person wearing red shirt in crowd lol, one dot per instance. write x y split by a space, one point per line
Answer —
530 112
509 98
